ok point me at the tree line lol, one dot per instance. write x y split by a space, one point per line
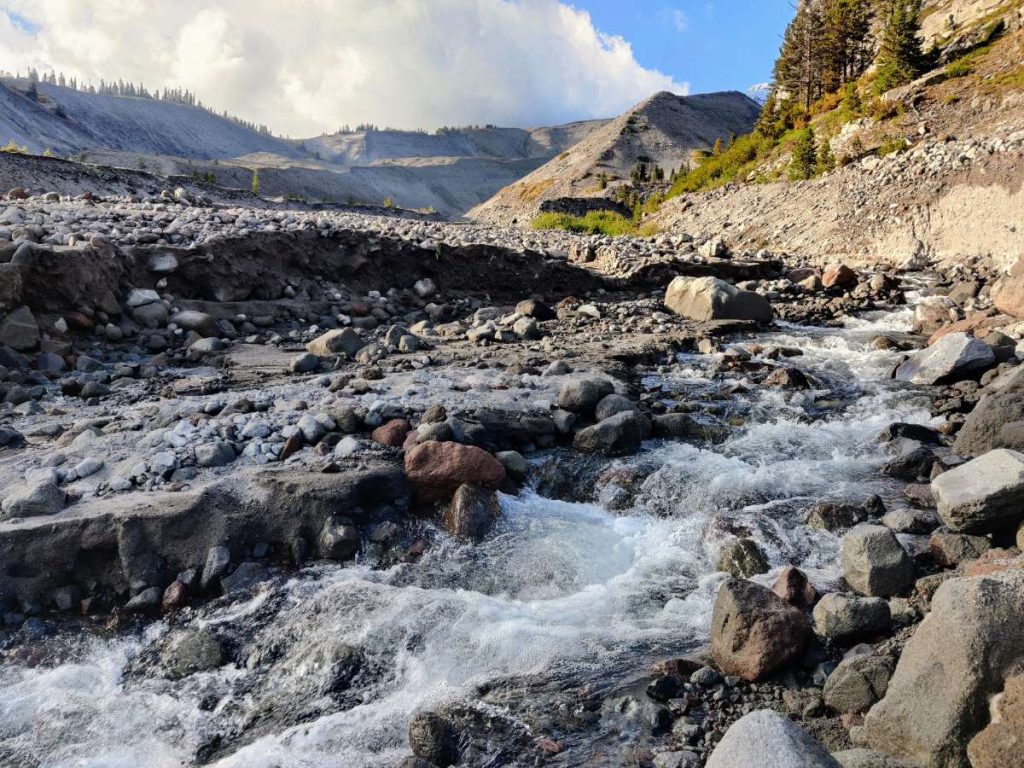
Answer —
123 89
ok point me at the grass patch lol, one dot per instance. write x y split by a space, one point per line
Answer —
736 161
530 192
594 223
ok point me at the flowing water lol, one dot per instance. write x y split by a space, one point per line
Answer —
543 630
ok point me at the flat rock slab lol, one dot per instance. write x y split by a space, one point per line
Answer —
984 494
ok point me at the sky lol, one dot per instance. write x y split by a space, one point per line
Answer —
305 67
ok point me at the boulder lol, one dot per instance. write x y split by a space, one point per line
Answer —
581 395
340 341
952 357
983 495
618 435
709 298
1000 744
753 631
437 469
1008 295
33 500
842 618
392 433
338 540
432 738
471 513
792 586
191 651
766 739
838 275
19 330
951 549
957 660
874 562
743 558
857 683
192 320
997 421
609 405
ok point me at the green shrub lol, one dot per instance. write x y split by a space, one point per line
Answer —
805 156
594 223
890 145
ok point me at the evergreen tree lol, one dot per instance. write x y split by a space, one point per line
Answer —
805 156
798 68
846 44
33 85
256 182
899 55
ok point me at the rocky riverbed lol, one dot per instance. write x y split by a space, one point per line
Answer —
290 488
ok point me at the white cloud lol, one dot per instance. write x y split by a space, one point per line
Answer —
306 66
676 19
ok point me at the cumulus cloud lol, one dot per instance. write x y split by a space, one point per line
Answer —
307 66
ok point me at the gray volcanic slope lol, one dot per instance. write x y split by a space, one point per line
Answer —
665 128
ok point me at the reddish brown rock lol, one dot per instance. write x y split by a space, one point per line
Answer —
1001 743
436 470
392 434
793 587
1009 292
175 596
471 513
292 445
754 632
838 275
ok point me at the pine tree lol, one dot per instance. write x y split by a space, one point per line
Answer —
846 44
798 68
899 55
805 156
256 182
33 85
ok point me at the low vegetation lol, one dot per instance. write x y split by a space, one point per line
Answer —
594 223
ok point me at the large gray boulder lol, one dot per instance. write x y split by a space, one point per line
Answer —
618 435
857 683
33 500
708 298
951 357
957 660
997 421
582 394
343 341
841 618
874 562
766 739
985 494
754 631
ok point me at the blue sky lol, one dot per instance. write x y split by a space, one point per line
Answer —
714 45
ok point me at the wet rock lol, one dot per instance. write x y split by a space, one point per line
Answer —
471 513
827 516
766 739
610 405
191 651
514 463
999 744
618 435
874 562
984 495
343 341
432 738
338 540
787 378
708 298
175 596
581 395
743 558
911 465
918 432
34 499
950 358
682 759
956 661
857 683
951 549
217 561
753 631
147 601
842 618
792 586
437 469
